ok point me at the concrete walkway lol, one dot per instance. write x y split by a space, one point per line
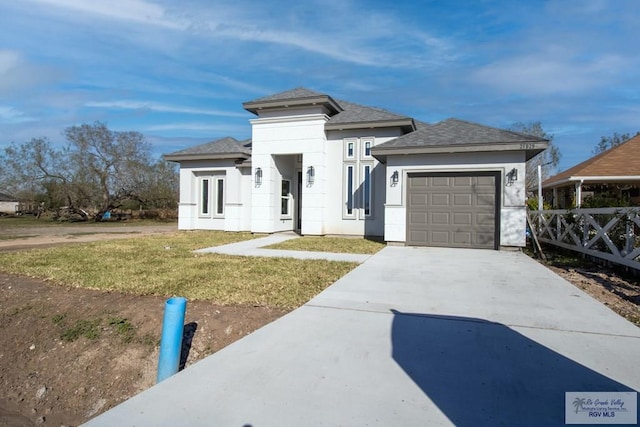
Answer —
255 247
412 337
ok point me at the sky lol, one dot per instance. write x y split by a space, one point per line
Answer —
179 71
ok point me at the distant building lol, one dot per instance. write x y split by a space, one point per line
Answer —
613 172
8 204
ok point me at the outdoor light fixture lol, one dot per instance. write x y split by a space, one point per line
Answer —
394 178
311 174
512 176
258 177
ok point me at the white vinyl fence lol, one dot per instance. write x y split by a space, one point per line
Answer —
612 234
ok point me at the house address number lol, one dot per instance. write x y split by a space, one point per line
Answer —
528 146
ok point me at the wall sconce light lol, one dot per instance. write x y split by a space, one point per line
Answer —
311 175
258 177
512 176
395 176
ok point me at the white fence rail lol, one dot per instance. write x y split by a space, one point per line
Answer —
612 234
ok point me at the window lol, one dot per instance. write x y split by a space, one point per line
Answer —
350 148
358 178
219 196
366 189
204 196
350 180
285 206
367 149
211 196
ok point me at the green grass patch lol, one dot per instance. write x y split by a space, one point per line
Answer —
341 245
16 237
166 265
90 329
123 328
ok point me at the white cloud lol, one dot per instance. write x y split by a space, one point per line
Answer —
17 74
10 115
8 60
159 107
197 127
138 11
546 74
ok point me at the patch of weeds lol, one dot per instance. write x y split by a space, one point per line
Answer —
150 340
20 309
123 328
89 329
59 319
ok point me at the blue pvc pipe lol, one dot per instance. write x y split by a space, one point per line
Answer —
171 340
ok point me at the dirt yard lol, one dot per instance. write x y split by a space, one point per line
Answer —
68 354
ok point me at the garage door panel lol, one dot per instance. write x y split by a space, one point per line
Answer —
486 200
485 219
452 210
418 200
462 200
418 182
419 218
485 238
486 181
438 182
463 238
438 199
440 237
440 218
462 181
463 218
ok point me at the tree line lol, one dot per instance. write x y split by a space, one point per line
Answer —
98 169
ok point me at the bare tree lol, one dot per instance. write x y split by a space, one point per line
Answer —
98 168
608 142
548 159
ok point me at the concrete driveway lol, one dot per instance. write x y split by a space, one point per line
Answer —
412 337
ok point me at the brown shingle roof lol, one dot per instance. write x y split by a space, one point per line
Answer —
620 161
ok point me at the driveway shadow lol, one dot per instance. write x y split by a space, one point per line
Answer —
481 373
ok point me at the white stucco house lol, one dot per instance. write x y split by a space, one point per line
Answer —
8 204
322 166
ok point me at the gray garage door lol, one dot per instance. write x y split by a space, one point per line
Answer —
452 210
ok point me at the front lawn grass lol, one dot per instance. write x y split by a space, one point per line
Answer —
330 244
166 265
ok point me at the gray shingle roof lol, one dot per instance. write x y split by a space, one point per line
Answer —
297 93
456 132
341 112
354 113
227 147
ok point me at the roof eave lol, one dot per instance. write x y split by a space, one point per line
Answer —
592 179
204 156
255 106
407 125
531 148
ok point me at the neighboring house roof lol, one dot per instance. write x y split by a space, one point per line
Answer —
618 164
224 148
4 197
453 135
